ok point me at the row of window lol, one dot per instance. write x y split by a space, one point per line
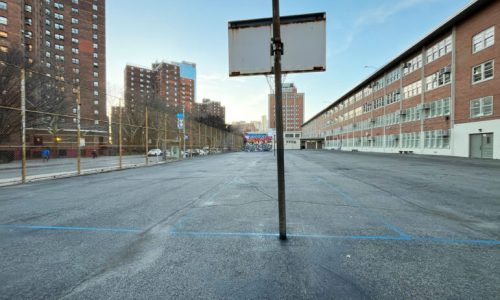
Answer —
480 41
434 139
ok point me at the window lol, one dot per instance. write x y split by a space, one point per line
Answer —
440 49
3 5
59 47
59 26
4 49
28 21
75 50
3 20
483 39
95 46
27 8
94 26
393 76
96 74
413 89
4 34
59 37
439 108
28 34
74 1
96 93
438 79
74 21
74 10
413 64
58 5
75 41
481 107
76 71
58 16
76 61
482 72
47 22
75 31
94 7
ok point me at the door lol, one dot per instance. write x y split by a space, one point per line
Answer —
481 145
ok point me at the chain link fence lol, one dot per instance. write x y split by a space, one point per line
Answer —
52 128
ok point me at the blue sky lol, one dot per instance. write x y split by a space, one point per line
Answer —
359 33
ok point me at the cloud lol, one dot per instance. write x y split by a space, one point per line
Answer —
377 16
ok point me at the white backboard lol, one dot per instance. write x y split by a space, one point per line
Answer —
304 45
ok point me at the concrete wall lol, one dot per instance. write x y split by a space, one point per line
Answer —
461 134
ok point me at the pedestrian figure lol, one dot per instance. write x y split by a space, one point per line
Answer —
94 154
45 155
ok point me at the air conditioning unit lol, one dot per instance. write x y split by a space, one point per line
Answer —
423 106
445 70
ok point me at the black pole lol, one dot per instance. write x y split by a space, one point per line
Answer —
278 51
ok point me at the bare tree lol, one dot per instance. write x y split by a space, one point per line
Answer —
45 96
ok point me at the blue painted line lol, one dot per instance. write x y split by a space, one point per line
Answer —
353 237
236 234
14 226
436 240
456 241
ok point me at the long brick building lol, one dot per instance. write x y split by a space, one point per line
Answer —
440 96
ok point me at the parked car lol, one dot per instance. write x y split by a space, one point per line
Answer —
155 152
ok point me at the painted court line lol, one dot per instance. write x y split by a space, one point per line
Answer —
437 240
90 229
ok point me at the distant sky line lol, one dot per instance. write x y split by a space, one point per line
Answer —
359 33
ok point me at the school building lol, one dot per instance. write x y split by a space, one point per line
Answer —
441 96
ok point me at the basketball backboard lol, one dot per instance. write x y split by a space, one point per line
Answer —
304 44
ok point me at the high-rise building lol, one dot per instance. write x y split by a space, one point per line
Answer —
293 108
66 39
162 82
213 108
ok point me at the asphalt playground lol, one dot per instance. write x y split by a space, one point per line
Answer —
359 226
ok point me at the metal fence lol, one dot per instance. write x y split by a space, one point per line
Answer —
51 128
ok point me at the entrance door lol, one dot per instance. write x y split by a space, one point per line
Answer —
481 145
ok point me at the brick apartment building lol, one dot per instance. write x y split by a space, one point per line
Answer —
293 108
210 108
162 82
67 39
293 115
440 96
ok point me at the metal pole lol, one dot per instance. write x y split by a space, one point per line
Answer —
120 160
147 137
184 129
166 136
78 151
23 125
278 51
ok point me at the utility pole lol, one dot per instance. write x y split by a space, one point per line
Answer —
147 137
23 125
278 51
78 137
184 129
120 134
